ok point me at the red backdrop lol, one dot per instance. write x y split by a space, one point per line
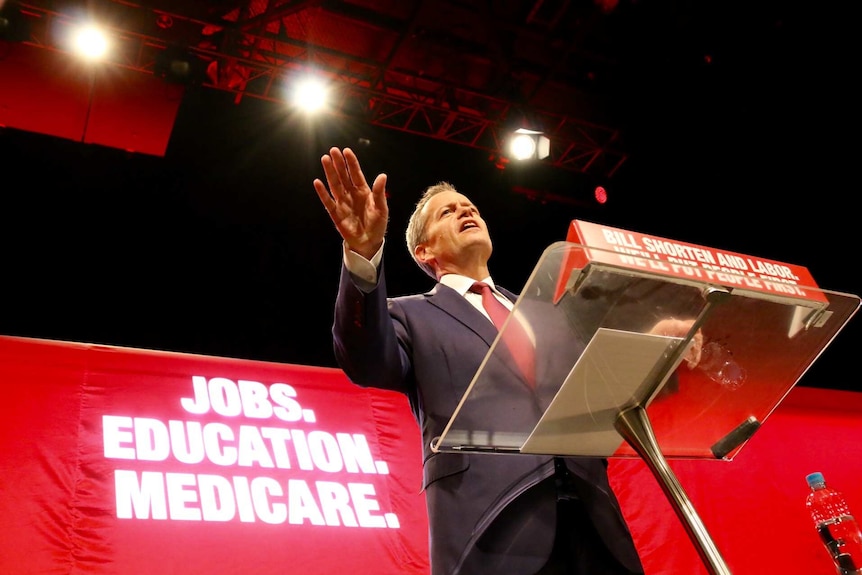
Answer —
128 461
56 94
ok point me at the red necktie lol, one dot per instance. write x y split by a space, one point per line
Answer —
515 336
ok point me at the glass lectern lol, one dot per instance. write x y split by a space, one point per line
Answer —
613 382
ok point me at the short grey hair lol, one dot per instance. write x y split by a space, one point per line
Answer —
419 220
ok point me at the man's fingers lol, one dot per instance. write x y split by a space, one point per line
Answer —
336 189
340 166
379 190
346 182
324 196
355 175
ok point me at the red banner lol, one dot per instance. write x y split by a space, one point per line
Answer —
122 461
129 461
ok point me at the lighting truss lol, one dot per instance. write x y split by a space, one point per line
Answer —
371 91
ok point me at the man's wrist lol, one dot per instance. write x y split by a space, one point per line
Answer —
362 268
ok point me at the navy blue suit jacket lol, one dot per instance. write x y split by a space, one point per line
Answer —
429 346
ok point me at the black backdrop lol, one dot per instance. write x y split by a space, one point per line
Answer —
222 248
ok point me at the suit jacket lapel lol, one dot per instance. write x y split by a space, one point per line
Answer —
460 309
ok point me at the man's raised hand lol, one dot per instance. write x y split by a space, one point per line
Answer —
360 213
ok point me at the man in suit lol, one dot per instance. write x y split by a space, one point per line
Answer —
488 513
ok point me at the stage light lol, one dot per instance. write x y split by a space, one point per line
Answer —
527 144
600 194
310 94
14 27
178 66
90 42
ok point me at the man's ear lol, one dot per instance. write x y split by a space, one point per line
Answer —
423 254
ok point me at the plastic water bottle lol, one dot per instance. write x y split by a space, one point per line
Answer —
836 526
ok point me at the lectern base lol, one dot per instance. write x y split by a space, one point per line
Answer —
634 425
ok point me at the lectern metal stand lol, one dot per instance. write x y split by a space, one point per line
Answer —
633 424
633 363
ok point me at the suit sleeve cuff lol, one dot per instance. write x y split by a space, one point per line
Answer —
363 271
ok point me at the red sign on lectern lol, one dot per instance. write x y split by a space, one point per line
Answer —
633 250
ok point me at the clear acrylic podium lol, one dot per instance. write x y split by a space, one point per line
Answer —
610 384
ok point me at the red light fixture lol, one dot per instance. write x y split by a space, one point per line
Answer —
601 194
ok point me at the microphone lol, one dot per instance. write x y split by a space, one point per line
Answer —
739 435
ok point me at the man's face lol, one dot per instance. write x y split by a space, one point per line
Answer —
455 233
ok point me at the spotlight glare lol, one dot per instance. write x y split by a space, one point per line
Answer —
529 145
523 147
310 95
90 42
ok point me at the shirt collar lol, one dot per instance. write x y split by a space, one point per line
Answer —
461 284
